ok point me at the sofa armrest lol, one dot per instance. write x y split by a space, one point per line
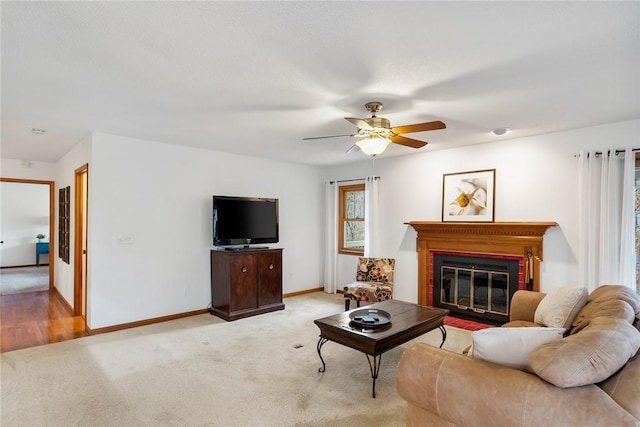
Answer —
524 304
466 391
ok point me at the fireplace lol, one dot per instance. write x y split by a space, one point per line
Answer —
475 287
519 242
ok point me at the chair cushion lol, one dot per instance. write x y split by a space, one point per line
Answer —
591 356
560 306
510 346
368 291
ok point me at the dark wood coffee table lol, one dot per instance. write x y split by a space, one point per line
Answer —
408 321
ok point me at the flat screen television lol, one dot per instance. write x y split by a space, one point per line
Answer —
244 221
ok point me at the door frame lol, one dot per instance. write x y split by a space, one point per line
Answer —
52 243
80 237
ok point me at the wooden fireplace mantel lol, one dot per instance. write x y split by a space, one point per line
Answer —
519 239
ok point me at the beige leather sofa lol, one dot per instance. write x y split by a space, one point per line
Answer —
448 389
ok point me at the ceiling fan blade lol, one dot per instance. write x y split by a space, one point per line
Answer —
324 137
353 149
419 127
413 143
361 124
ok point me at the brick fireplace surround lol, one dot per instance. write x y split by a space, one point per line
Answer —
492 239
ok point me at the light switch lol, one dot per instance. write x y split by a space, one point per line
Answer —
126 239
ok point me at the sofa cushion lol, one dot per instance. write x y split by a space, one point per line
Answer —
524 305
607 292
510 346
615 309
591 356
623 386
560 306
613 301
520 324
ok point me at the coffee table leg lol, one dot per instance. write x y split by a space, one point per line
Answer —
375 368
444 334
321 342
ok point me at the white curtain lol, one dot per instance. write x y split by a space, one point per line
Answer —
331 238
606 214
371 216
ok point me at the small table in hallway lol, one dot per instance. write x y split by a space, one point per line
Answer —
41 248
408 321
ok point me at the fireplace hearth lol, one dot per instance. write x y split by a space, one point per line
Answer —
475 287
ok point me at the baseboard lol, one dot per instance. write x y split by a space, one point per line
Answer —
145 322
174 316
63 301
306 291
24 266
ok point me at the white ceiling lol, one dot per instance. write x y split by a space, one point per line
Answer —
256 77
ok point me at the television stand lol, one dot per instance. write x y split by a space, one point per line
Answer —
245 282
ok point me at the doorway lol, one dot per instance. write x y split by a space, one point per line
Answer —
44 316
80 246
34 220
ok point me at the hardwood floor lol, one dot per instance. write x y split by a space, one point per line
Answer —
36 318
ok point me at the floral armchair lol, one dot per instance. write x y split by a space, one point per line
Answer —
374 281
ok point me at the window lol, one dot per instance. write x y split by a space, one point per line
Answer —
351 220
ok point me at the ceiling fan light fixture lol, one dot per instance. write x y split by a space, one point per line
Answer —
377 133
373 146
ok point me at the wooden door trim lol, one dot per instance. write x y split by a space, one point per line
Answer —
52 243
78 238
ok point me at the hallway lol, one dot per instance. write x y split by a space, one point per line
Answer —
36 318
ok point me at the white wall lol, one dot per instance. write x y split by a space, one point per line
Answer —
160 195
536 180
24 213
42 171
65 169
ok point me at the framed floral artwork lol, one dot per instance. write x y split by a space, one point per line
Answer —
469 196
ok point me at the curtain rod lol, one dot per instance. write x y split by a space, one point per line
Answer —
352 180
616 152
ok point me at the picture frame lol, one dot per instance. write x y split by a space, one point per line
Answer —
469 196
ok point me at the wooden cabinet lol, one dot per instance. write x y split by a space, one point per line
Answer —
245 282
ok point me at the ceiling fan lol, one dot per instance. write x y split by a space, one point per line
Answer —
377 133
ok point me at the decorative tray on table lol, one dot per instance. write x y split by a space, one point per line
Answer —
370 318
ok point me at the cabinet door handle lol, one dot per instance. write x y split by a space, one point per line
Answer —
270 266
244 269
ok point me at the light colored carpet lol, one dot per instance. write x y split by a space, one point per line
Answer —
203 371
24 279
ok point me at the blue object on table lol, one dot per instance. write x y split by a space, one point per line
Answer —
41 248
